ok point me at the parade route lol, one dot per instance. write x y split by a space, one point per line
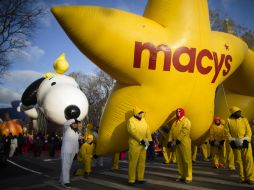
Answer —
28 172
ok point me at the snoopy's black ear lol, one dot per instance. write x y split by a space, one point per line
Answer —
29 97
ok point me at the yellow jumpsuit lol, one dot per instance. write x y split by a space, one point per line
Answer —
115 161
194 150
181 131
252 137
204 151
229 156
168 153
89 131
138 130
228 153
85 156
217 134
240 128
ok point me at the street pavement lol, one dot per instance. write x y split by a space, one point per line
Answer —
41 173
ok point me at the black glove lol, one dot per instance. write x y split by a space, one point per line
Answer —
169 144
95 156
212 143
151 143
222 143
178 142
233 145
245 144
142 142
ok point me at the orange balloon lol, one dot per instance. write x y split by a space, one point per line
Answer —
12 126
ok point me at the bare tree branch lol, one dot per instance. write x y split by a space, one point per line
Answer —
18 20
97 89
221 22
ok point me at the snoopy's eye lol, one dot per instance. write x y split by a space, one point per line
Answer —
53 83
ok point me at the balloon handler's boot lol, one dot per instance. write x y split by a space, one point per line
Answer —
86 174
79 172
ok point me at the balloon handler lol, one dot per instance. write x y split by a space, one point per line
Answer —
85 156
217 139
239 134
139 137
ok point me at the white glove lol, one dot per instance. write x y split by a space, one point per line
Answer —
238 142
231 139
69 122
147 144
173 143
216 143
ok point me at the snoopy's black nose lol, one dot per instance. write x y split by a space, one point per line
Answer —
72 112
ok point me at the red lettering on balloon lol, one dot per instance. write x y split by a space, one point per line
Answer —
218 65
204 53
228 66
194 58
153 55
176 59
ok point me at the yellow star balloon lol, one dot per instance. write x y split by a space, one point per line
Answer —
238 90
166 59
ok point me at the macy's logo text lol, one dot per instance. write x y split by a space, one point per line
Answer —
195 58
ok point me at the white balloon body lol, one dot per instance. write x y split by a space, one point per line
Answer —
58 92
35 124
32 113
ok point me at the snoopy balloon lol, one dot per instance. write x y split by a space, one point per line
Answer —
57 96
166 59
